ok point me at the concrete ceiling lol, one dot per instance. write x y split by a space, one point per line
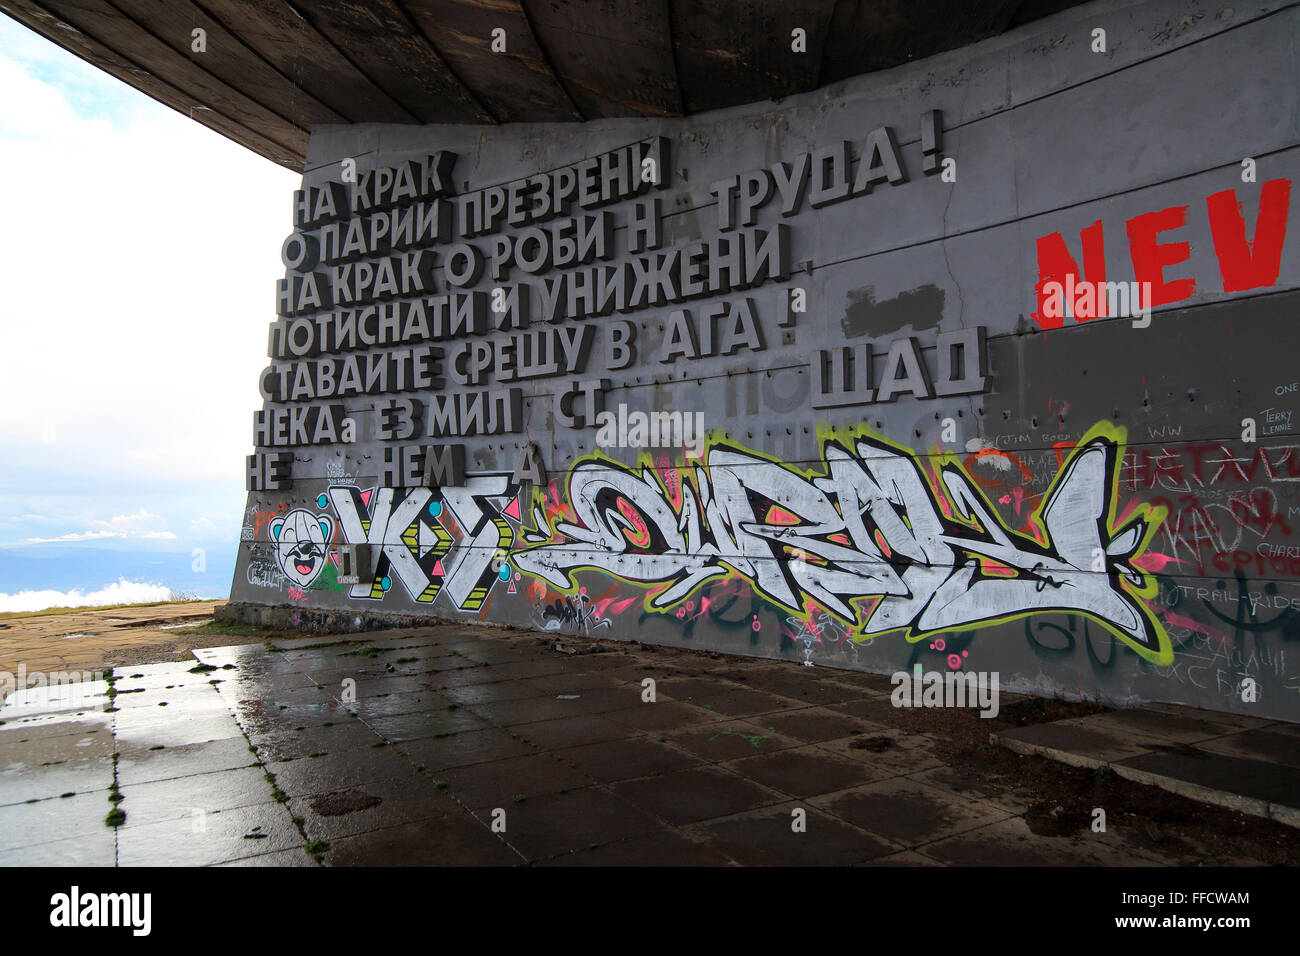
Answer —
272 70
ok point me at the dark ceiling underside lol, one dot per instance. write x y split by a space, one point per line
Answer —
273 69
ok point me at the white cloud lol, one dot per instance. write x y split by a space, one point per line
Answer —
214 525
123 592
138 523
139 260
139 263
142 524
77 536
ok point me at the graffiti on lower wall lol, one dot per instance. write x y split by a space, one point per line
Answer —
301 539
877 539
872 537
829 563
462 558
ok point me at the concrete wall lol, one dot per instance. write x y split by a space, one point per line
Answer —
1094 520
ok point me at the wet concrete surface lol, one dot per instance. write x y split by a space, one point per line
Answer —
449 745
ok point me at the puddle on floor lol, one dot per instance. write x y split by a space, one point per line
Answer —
59 700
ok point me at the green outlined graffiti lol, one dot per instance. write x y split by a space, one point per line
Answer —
871 535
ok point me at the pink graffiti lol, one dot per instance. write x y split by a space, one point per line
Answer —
1180 620
1156 563
608 607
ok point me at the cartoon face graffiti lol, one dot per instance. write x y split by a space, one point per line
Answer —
301 538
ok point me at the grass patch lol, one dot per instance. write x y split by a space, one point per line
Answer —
237 629
117 816
279 795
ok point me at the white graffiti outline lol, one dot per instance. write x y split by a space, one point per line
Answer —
931 565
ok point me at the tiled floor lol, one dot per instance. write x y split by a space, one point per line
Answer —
1245 763
448 745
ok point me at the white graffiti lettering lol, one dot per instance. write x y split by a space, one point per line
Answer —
933 553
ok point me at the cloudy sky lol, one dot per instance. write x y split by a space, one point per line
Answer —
138 262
